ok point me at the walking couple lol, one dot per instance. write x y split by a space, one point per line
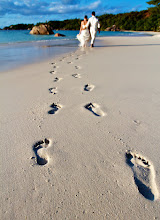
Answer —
88 30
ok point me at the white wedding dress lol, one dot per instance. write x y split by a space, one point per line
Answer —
84 37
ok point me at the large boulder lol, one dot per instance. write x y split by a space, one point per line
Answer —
42 29
108 29
59 35
113 28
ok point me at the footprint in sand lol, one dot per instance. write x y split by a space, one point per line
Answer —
56 79
52 72
55 108
69 62
137 122
95 109
144 175
88 87
76 75
77 67
39 149
55 67
53 63
80 55
53 90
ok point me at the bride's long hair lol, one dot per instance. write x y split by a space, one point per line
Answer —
86 17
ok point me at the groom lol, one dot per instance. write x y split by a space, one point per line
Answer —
94 25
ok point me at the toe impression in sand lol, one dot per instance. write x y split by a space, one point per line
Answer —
144 175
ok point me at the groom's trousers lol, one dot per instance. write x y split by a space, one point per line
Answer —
93 35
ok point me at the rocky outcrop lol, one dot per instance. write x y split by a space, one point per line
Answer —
42 29
113 28
8 28
59 35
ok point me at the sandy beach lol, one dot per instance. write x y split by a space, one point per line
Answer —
80 134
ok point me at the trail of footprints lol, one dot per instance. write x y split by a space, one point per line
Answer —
143 170
92 107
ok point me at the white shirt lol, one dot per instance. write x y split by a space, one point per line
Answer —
93 23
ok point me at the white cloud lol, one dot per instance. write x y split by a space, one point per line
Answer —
33 11
36 7
136 8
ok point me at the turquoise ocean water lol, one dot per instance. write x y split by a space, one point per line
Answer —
19 47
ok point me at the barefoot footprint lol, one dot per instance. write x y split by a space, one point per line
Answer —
88 87
53 72
56 79
77 67
76 75
144 175
55 109
55 67
39 149
53 90
95 109
137 122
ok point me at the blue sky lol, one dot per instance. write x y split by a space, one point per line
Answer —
33 11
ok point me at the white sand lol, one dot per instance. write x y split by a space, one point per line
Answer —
86 175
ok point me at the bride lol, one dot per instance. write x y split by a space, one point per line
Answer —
84 34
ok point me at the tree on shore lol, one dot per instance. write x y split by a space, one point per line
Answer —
154 2
155 11
156 6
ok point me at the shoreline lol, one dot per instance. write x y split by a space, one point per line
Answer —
147 32
66 126
36 63
21 54
47 45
